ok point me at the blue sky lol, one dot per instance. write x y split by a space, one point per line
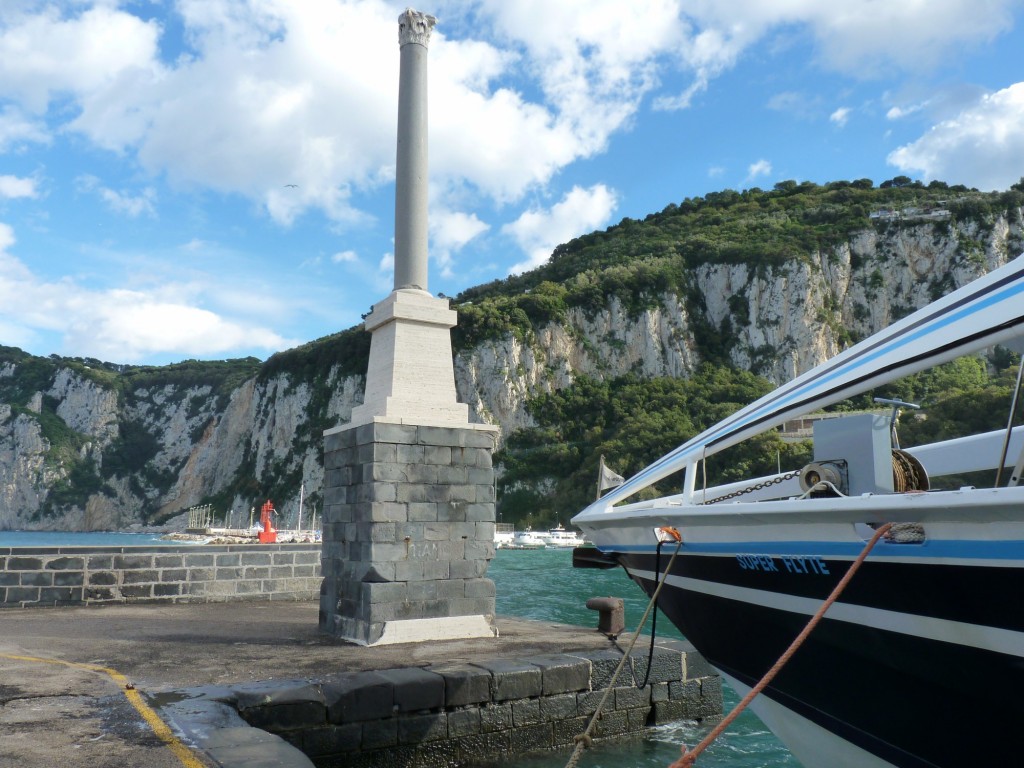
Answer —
145 145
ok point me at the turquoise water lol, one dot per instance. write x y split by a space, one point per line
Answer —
543 585
100 539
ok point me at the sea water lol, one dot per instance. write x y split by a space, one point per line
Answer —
91 539
542 585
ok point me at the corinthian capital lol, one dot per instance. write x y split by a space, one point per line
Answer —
414 27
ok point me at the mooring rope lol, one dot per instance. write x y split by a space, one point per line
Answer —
583 740
689 757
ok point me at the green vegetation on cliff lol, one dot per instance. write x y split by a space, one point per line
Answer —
548 472
638 261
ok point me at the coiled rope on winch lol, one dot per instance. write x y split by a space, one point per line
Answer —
689 757
583 740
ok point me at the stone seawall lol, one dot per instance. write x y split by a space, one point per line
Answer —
39 576
447 715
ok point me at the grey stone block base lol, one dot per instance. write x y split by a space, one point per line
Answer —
408 532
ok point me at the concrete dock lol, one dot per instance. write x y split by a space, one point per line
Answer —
59 708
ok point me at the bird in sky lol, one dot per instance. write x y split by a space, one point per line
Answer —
293 186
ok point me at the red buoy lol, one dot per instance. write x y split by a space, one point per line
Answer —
269 534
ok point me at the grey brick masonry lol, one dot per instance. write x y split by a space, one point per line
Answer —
408 526
38 576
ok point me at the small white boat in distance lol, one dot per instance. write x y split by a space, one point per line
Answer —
559 537
504 535
527 540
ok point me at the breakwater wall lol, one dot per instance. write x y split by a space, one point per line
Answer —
41 576
449 714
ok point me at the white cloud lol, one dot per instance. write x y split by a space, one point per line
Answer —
973 147
450 231
898 113
264 94
44 55
537 232
756 170
117 324
132 205
841 116
13 186
345 257
17 129
873 36
386 264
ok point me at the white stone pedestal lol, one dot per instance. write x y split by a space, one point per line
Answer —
411 376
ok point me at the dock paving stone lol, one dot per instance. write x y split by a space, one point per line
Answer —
36 579
252 748
286 716
532 738
562 673
710 697
8 579
378 734
22 594
485 746
666 665
60 595
564 732
437 754
688 691
630 697
495 717
393 757
463 683
512 678
359 696
559 707
416 729
68 579
638 718
588 701
525 712
663 712
611 724
415 688
24 563
332 739
603 666
66 564
463 722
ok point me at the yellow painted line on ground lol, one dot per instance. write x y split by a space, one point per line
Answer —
160 728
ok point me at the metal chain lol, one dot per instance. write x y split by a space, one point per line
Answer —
755 487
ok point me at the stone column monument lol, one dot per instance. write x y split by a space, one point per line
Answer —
409 486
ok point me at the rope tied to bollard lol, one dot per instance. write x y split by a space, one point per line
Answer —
689 757
584 740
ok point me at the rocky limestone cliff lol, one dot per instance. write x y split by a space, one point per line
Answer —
79 454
